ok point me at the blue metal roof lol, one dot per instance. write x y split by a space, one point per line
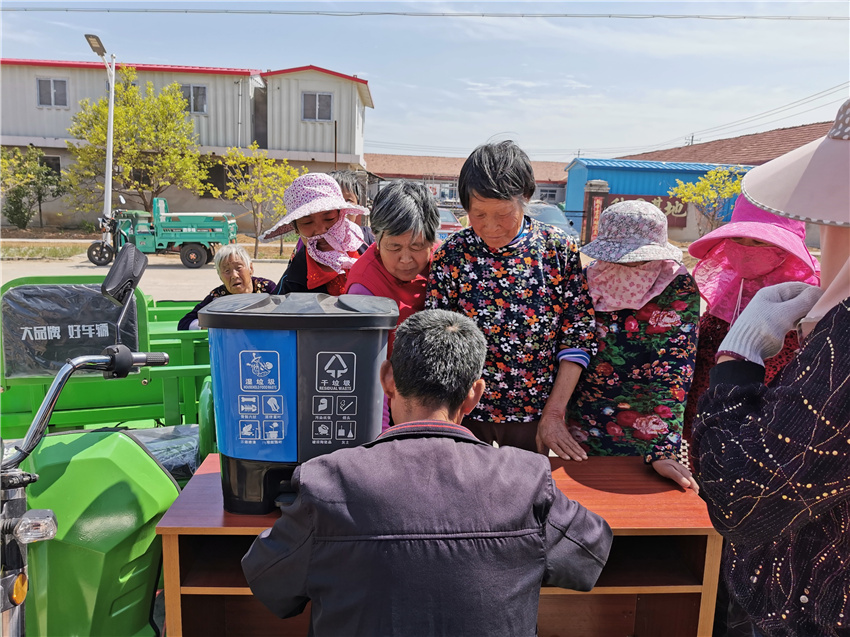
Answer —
636 164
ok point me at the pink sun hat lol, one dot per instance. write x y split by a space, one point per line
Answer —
307 195
750 221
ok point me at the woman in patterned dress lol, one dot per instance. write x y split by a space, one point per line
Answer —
631 399
521 282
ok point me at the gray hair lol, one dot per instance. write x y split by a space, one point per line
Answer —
436 358
231 251
404 206
347 180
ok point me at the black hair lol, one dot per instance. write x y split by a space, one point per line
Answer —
437 356
496 171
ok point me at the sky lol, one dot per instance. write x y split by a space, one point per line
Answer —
558 84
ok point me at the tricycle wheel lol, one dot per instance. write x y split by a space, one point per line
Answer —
100 253
193 255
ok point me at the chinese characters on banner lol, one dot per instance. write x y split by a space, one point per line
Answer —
676 210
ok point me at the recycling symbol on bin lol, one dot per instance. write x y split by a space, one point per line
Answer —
335 371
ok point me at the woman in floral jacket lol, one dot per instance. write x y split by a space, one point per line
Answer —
631 399
522 284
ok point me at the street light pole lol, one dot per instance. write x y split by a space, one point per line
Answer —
99 50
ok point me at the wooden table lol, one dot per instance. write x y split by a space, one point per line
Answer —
660 580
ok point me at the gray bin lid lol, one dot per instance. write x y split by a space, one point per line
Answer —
299 311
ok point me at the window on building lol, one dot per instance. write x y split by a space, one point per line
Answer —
549 194
51 162
196 97
317 107
141 176
52 92
216 176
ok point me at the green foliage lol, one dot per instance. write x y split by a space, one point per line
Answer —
256 182
26 183
710 194
154 145
88 226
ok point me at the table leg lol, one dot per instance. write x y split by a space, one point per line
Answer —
710 578
171 576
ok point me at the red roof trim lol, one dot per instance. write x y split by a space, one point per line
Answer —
166 68
314 68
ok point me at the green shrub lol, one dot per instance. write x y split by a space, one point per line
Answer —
88 226
16 208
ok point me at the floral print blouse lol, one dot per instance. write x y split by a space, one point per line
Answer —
631 399
530 299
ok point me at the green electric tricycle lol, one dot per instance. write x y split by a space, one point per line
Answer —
195 235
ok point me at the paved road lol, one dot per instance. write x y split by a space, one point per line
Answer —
165 279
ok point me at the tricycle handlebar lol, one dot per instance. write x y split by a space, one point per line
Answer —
115 361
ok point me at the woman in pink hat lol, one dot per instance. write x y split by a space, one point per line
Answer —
332 243
754 250
631 399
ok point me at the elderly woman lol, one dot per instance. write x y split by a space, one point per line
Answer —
235 270
521 282
631 400
332 243
405 221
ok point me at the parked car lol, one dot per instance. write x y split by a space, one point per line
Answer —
448 224
552 215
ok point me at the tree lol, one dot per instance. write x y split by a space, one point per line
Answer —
154 145
256 182
27 182
710 194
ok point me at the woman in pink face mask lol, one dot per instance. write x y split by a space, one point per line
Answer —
756 249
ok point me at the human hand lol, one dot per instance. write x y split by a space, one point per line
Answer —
760 330
677 472
552 433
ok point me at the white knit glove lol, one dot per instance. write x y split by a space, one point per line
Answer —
760 330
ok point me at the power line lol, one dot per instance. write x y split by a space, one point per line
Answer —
428 14
719 131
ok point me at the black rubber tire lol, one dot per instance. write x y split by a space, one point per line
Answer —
193 255
100 253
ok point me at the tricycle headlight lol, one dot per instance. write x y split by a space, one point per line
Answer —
35 525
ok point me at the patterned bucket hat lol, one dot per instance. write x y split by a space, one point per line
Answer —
307 195
632 231
809 183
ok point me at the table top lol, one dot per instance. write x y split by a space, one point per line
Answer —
627 493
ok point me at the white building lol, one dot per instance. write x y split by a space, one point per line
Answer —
310 116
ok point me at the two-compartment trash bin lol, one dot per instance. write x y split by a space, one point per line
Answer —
293 377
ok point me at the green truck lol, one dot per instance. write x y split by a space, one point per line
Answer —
195 235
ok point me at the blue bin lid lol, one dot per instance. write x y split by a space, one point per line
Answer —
299 311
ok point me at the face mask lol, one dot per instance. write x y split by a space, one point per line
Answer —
752 262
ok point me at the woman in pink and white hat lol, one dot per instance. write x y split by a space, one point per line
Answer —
754 250
332 243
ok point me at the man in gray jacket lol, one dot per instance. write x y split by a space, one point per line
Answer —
426 530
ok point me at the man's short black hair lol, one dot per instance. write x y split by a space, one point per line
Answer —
496 171
436 358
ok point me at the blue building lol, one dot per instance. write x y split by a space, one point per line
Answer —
629 179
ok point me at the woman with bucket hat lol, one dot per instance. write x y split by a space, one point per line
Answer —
331 242
755 249
630 401
773 462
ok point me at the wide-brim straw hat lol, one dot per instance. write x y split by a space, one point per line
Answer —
307 195
750 221
632 231
810 183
